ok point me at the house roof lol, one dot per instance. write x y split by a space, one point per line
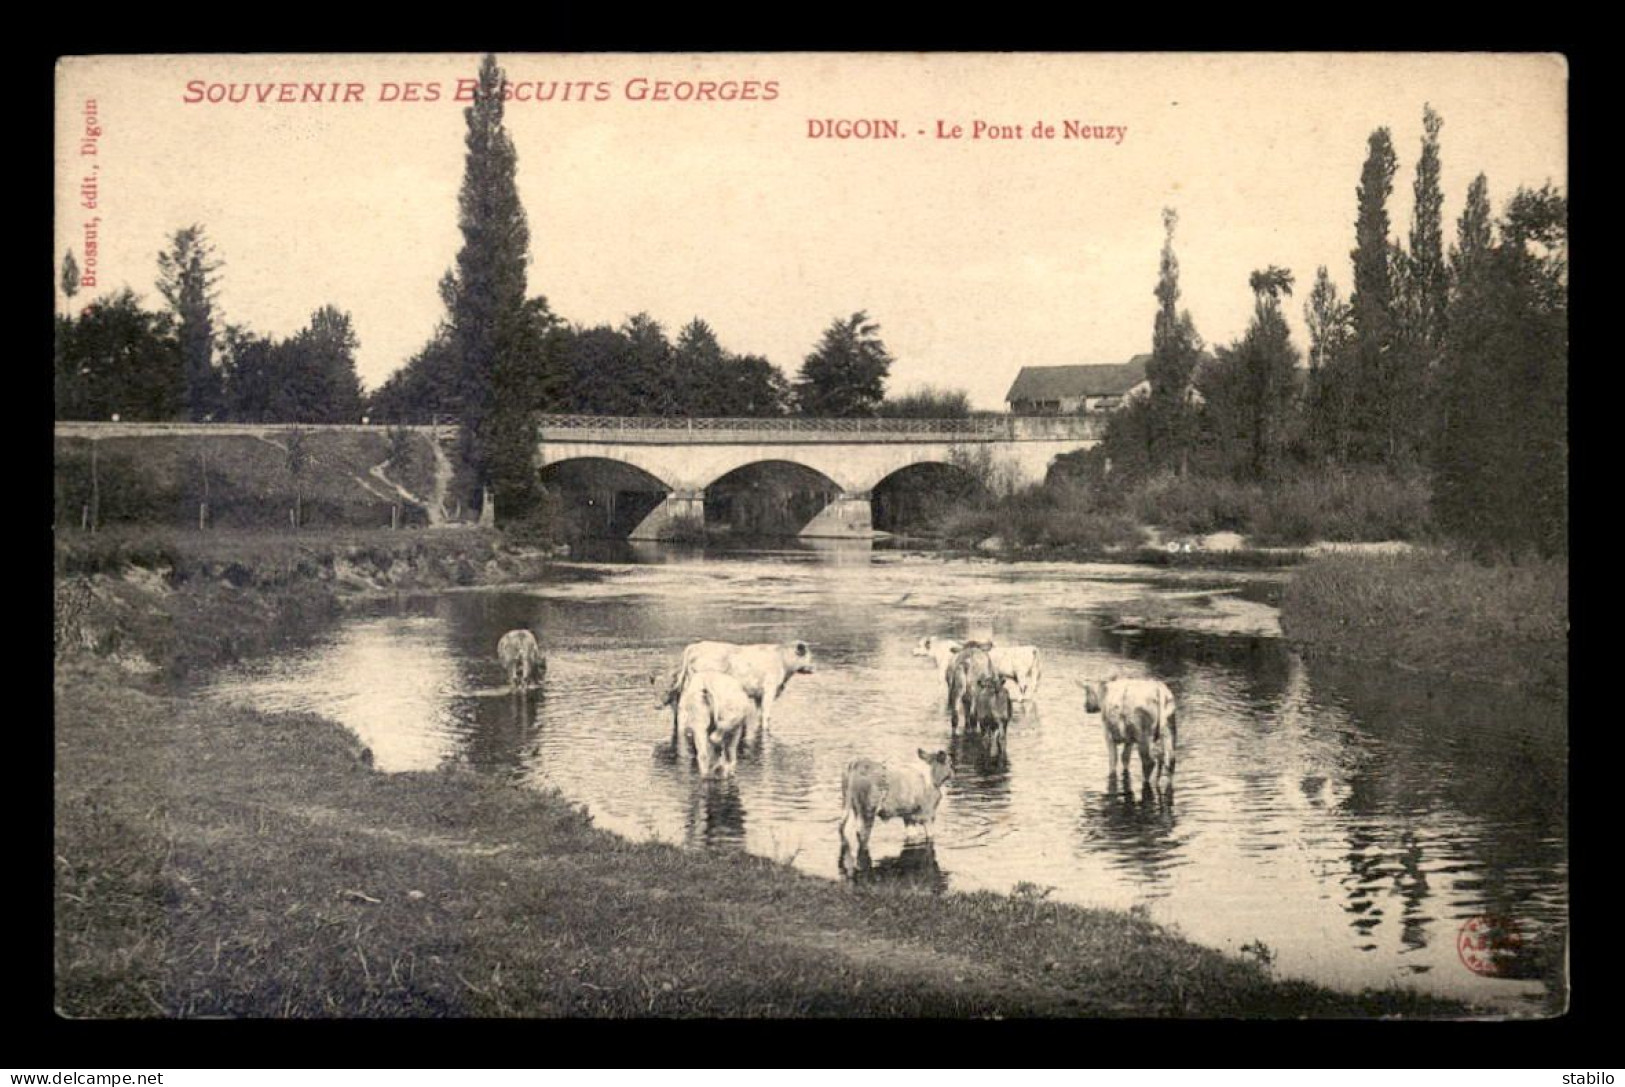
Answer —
1055 382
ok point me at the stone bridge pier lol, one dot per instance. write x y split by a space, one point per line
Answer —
850 515
676 508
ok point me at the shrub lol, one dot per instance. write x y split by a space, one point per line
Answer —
1436 612
683 528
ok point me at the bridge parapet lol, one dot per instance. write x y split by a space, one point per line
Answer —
680 430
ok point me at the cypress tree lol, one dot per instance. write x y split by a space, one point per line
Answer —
485 296
1175 349
1370 391
187 275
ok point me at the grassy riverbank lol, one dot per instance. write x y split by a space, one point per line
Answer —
1107 517
218 861
1434 612
346 477
177 600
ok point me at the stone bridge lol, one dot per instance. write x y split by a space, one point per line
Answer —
648 473
681 459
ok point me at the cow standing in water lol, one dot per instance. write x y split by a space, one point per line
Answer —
1020 665
990 712
870 790
764 670
970 666
1139 713
714 710
940 649
521 658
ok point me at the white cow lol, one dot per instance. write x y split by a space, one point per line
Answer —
1020 664
940 649
1017 663
714 711
521 658
764 670
1140 712
870 789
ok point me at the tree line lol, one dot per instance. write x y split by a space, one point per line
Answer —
118 358
498 356
1450 364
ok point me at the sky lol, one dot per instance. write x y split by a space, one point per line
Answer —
975 255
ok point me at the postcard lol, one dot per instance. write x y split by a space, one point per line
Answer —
811 534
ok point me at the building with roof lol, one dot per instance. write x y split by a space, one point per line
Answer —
1073 390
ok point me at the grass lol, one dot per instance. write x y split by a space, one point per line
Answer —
1436 612
159 479
182 600
212 860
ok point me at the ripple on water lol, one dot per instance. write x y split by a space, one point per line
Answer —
1351 821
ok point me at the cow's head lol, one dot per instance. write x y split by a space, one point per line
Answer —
666 686
940 765
799 658
1092 693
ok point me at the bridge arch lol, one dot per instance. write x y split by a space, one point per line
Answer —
770 497
912 498
603 496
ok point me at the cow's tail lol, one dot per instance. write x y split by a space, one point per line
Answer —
710 709
1167 717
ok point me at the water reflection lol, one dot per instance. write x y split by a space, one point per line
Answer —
1353 818
915 867
788 548
981 761
716 814
1134 828
500 734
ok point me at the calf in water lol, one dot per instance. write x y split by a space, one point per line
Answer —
521 658
871 790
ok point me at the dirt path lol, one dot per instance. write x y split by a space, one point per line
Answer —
376 470
442 483
437 514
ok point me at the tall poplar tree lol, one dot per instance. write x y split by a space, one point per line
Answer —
1175 349
489 322
1252 388
188 273
1500 480
1428 279
1370 383
1424 294
1330 336
1474 232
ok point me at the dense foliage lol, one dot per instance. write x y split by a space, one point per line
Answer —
188 272
1455 366
845 375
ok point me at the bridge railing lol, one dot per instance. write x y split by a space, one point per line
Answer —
680 429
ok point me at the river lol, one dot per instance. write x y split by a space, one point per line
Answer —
1346 823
